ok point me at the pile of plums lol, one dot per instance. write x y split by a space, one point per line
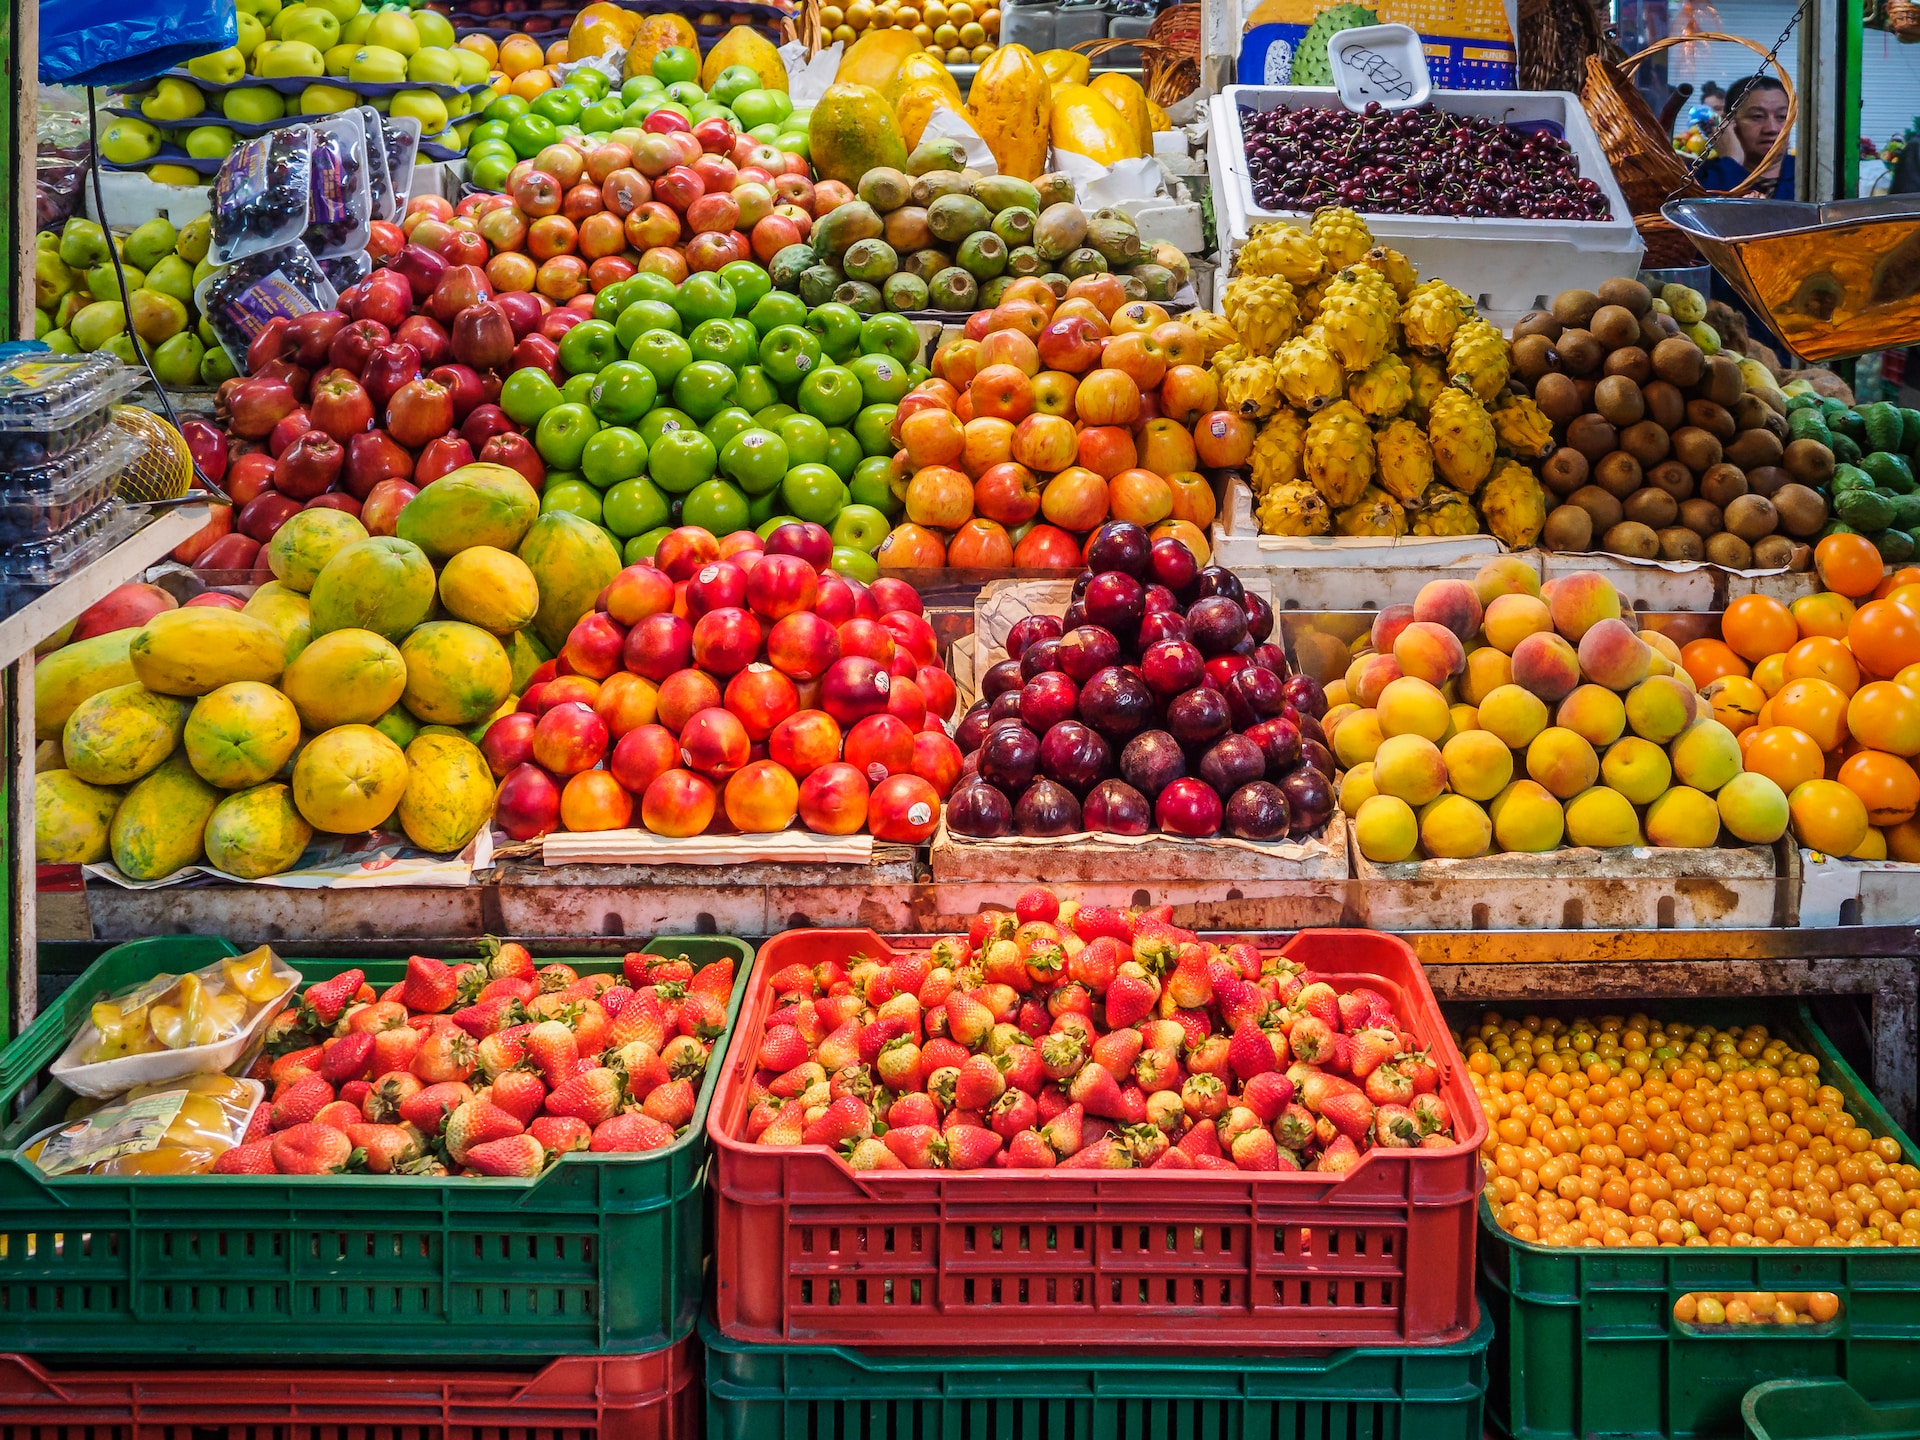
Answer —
1157 702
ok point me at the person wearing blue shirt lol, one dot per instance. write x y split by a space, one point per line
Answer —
1757 113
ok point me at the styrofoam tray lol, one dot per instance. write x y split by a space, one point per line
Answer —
1237 542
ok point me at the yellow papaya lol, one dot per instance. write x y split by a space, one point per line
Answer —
1007 104
1123 92
572 560
922 68
456 673
1085 124
1065 67
490 588
657 33
70 819
346 677
526 654
199 648
853 131
449 793
241 734
159 827
479 504
72 673
256 832
383 584
349 779
301 547
916 105
744 45
1158 118
286 610
874 60
117 736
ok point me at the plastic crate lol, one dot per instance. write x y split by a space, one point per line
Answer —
807 1251
600 1253
758 1392
655 1396
1586 1343
1824 1410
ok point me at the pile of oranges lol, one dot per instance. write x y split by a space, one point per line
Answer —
1629 1131
1824 698
1757 1307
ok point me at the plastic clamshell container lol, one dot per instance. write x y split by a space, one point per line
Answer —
1585 1342
49 560
1507 267
651 1396
50 404
807 1251
599 1254
759 1392
42 500
1824 1410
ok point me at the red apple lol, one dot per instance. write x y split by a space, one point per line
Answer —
312 335
388 299
461 288
441 455
462 383
261 516
335 500
483 422
428 336
418 411
341 406
904 809
373 457
229 552
421 268
516 452
257 405
523 312
309 466
389 368
537 352
273 342
380 511
683 551
126 607
249 476
719 586
208 446
483 337
354 343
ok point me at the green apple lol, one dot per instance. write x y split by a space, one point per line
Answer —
432 28
423 105
174 99
859 527
353 30
686 92
339 60
471 65
288 60
177 361
733 82
431 65
251 33
194 240
172 276
378 65
98 323
326 100
128 141
261 10
216 367
676 65
395 30
458 107
147 244
222 67
490 171
252 105
308 24
755 107
341 10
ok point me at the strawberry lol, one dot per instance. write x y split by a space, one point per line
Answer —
385 1148
713 978
1389 1085
1097 1092
847 1118
430 986
489 1017
1255 1150
628 1132
970 1147
427 1109
1319 1000
1094 922
560 1133
781 1049
558 976
1027 1151
325 1001
1203 1096
1241 1001
1245 958
854 1080
909 973
1354 1011
1036 903
517 1157
1096 963
870 1040
1004 963
259 1125
1339 1157
1420 1069
1133 1104
1020 1064
915 1109
962 1117
1311 1040
978 1084
1212 1056
1173 1158
505 958
990 925
356 1093
295 1065
940 1053
796 1080
339 1114
552 1049
1267 1095
614 997
918 1147
1146 1143
393 1050
1200 1140
1371 1048
1250 1052
298 1103
968 1021
1064 1132
644 1018
310 1149
502 1051
1132 996
1350 1111
346 1057
520 1093
1013 1113
1072 998
1395 1127
703 1015
475 1123
594 1096
1062 1054
387 1015
445 1054
253 1158
382 1104
787 1126
835 1010
898 1065
671 1103
1116 1051
869 1153
510 988
1103 1154
1431 1112
1294 1128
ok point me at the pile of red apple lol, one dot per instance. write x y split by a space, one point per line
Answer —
725 687
1157 702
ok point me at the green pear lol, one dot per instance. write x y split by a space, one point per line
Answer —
204 329
307 24
222 67
71 304
60 342
376 64
395 30
433 66
195 238
52 278
105 284
42 323
128 141
150 241
172 276
98 323
157 316
326 100
121 348
289 59
83 244
433 28
176 361
215 367
354 31
252 104
252 32
202 268
211 142
423 105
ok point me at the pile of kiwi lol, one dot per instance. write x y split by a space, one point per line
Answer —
1664 453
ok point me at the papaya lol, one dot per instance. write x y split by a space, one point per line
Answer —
1085 124
241 734
1064 67
383 584
475 505
286 610
456 673
159 827
346 677
1123 92
853 131
398 726
117 736
72 673
744 45
449 793
70 819
199 648
526 655
600 30
47 755
922 68
875 60
1157 118
301 547
657 33
1007 105
915 106
572 559
349 779
491 588
256 832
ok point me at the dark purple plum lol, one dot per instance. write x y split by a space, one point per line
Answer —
1254 695
1232 762
1217 624
1046 700
1030 629
1259 617
1119 545
972 728
1318 757
1222 668
1218 580
1047 808
1075 617
1279 741
1269 656
1000 678
1080 583
1258 811
1159 625
1075 756
1114 807
1198 717
1010 757
1115 601
1309 800
1307 695
1086 650
1310 728
1005 707
1189 807
1173 564
970 765
978 810
1117 703
1152 761
1159 597
1040 657
1170 666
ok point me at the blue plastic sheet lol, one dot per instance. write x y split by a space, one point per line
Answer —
118 42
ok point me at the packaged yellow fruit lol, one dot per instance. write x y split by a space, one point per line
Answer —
179 1127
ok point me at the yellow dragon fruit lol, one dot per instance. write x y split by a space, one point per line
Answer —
1405 459
1374 513
1479 352
1356 328
1428 378
1461 433
1310 300
1251 388
1281 249
1294 509
1398 269
1514 504
1443 511
1215 331
1364 280
1309 375
1339 453
1383 389
1277 450
1431 315
1262 311
1342 236
1522 427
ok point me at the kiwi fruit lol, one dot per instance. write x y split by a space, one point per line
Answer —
1647 442
1776 424
1677 543
1614 326
1713 418
1618 473
1672 477
1730 550
1602 506
1751 448
1625 292
1584 386
1766 480
1580 353
1703 517
1592 436
1568 527
1802 511
1773 552
1631 539
1559 398
1575 307
1652 507
1696 449
1750 412
1566 470
1666 406
1722 383
1751 517
1723 484
1678 361
1532 357
1808 461
1631 361
1655 327
1618 400
1537 322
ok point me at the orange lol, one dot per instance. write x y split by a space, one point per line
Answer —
557 53
1771 673
1816 707
1903 841
1909 676
1736 701
519 53
1827 815
531 84
1848 565
1707 660
1905 575
1822 657
1884 635
1822 614
1885 784
1756 626
1786 756
1873 847
1885 715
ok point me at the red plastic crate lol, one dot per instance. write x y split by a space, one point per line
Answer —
806 1251
655 1396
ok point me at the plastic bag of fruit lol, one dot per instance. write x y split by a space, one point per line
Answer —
402 137
178 1127
262 194
339 200
238 300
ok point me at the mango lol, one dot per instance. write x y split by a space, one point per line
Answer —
346 677
1009 105
159 827
301 548
477 504
449 793
70 819
489 587
853 130
241 734
383 584
1386 830
572 559
256 832
199 648
286 610
117 736
1527 818
1601 817
69 675
456 673
349 779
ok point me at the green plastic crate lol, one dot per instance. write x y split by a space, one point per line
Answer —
1824 1410
766 1392
1585 1342
601 1253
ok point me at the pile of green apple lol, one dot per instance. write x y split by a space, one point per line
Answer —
721 403
78 306
341 48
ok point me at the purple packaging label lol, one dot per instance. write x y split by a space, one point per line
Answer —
328 193
273 296
243 175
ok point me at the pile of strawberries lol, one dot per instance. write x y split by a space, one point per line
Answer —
490 1068
1084 1037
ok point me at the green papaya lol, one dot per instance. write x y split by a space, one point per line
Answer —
1892 473
475 505
162 823
573 560
1865 510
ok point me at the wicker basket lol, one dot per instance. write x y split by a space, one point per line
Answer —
1904 21
1644 161
1169 54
